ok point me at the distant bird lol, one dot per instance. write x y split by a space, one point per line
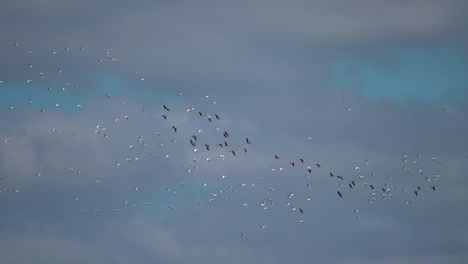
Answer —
247 140
166 108
300 210
339 193
175 129
276 157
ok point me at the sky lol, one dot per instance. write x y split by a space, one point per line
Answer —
124 129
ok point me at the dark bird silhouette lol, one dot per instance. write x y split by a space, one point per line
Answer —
247 140
217 117
339 193
166 108
331 174
301 160
164 116
276 157
318 165
300 210
416 192
245 150
175 128
292 163
340 177
233 152
194 137
433 188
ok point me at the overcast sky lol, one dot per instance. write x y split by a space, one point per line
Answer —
364 103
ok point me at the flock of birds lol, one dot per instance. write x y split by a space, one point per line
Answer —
204 140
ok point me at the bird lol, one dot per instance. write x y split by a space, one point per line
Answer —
166 108
339 193
247 140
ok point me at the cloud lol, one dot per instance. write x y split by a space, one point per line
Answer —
108 192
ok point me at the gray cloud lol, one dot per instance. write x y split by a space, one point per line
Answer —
267 67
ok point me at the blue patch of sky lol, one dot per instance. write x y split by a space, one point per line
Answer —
436 75
17 94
